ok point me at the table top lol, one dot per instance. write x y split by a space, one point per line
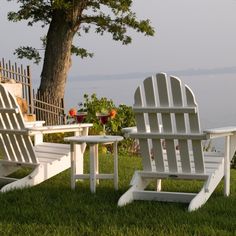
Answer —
94 139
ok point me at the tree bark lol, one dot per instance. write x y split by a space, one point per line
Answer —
57 60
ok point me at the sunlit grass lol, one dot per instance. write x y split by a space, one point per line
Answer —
52 208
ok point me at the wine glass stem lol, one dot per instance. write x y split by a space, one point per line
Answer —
104 130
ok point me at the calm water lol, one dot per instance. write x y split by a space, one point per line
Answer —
215 95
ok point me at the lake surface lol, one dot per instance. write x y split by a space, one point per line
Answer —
215 94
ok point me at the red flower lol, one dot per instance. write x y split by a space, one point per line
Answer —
113 113
72 112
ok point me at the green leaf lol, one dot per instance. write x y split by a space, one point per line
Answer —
28 52
80 52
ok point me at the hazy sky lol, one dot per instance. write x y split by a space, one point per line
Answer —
198 34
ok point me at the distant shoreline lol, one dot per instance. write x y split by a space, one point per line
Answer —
135 75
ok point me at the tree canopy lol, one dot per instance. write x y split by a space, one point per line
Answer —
68 18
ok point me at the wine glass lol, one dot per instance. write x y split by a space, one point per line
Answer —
103 117
80 116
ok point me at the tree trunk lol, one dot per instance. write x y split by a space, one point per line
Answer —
57 59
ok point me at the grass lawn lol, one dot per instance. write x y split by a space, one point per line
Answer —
52 208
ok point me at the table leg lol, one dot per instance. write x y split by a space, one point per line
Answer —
96 163
79 155
92 164
73 170
115 165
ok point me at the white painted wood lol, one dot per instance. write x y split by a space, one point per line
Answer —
45 159
227 167
93 139
94 175
224 132
149 109
170 103
177 94
145 135
92 163
73 170
34 124
232 146
174 175
195 128
164 98
98 176
163 196
141 126
79 150
154 125
96 163
115 165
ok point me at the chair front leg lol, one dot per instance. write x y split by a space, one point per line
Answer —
38 138
227 166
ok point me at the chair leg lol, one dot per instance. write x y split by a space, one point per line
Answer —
158 187
206 191
34 178
227 167
137 184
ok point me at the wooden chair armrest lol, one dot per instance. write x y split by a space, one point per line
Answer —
34 124
129 130
58 128
220 132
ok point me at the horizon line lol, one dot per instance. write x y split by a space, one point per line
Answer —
134 75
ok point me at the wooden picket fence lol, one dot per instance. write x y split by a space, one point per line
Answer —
51 111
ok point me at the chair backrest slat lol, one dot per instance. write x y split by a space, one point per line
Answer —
195 128
24 141
164 99
150 96
6 139
15 143
140 120
177 94
166 102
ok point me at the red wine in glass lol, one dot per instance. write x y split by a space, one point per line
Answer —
80 116
103 119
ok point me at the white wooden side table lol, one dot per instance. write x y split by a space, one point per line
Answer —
94 175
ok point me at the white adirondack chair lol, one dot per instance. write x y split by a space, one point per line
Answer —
166 102
17 150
